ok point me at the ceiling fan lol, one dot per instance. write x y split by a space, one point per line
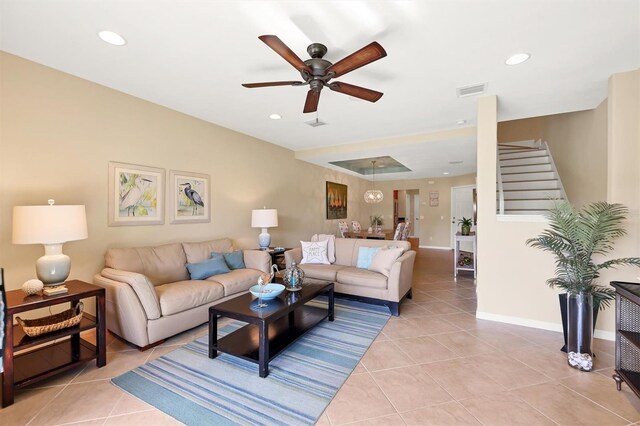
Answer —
317 72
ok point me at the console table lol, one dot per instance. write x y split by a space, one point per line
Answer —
627 335
458 238
63 349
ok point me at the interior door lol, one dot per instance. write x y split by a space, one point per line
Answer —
461 206
416 215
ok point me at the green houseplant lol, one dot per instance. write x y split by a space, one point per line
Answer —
376 222
465 226
575 238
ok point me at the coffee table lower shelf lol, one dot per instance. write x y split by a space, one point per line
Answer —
245 342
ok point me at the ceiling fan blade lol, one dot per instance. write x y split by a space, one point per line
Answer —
366 55
287 54
311 104
355 91
273 83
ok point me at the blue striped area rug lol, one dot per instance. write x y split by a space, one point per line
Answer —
227 390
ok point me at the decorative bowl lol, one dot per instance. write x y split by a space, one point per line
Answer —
270 291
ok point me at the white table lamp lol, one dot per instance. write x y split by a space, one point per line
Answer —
264 218
52 226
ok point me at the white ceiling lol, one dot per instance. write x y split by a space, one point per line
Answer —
192 56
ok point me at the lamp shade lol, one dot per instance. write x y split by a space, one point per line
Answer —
48 224
264 218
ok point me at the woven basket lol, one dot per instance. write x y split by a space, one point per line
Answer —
38 326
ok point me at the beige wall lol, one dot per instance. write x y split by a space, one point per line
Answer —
512 288
521 130
623 144
511 276
59 132
436 225
578 144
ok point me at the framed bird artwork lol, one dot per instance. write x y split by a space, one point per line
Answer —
136 195
189 197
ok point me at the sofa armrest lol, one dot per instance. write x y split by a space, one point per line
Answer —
401 275
293 255
144 290
125 315
257 259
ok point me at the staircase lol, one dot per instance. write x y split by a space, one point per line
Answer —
528 181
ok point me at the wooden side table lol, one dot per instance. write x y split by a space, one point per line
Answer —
277 257
59 350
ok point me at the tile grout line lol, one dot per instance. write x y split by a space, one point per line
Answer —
594 402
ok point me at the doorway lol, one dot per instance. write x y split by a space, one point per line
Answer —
461 206
406 208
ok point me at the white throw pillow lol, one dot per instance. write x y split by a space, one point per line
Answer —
384 260
331 246
314 252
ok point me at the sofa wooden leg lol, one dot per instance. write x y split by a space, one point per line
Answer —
152 345
394 307
410 294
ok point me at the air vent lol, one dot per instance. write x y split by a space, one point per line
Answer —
315 123
455 162
472 90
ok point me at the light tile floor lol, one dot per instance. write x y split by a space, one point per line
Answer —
436 364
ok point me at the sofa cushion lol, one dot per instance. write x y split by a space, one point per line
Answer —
365 256
197 252
184 295
321 272
331 246
344 251
361 242
207 268
162 264
361 277
235 259
384 260
315 252
237 281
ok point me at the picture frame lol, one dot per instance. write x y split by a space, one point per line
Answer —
434 199
189 197
336 200
136 195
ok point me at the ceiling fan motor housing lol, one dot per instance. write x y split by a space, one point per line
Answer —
317 72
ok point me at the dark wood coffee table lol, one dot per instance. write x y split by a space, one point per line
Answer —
270 329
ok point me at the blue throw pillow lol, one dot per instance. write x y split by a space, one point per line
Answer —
365 256
208 268
235 259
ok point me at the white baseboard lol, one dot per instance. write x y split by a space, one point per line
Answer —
552 326
436 247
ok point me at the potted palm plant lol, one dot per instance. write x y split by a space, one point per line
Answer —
575 237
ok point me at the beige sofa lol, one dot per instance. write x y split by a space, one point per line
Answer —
359 283
150 296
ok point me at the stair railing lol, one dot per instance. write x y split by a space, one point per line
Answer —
563 194
500 187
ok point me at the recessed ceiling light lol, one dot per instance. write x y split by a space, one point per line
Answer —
518 58
445 173
275 116
112 38
461 122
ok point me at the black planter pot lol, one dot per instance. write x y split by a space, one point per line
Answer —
562 297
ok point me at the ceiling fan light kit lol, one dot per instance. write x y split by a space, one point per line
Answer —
317 72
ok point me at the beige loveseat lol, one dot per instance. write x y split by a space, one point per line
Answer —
149 293
364 284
